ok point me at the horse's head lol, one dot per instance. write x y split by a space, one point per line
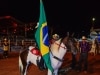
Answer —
55 45
72 44
65 40
69 42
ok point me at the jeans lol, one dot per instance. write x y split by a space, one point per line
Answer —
83 60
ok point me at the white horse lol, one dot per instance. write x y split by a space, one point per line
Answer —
57 51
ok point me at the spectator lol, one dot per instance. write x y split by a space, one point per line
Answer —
5 48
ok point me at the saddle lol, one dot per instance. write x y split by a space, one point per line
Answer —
35 51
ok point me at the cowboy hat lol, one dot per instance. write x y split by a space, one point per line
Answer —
5 39
55 36
83 38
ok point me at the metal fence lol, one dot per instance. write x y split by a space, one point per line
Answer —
17 45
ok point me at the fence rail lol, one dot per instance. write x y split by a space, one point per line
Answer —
17 45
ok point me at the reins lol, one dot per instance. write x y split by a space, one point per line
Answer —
60 46
61 60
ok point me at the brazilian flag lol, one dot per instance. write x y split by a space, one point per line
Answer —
42 38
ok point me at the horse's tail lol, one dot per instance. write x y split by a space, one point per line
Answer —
20 66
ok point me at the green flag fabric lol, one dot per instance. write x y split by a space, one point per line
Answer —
42 37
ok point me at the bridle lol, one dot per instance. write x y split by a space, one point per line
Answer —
60 45
64 47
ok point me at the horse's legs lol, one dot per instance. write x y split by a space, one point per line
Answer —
56 72
26 68
23 62
22 66
50 73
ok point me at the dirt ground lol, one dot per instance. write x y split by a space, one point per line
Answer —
9 66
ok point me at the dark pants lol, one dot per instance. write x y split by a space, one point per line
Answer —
41 63
73 64
5 54
83 60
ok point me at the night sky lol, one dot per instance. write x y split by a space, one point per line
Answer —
62 15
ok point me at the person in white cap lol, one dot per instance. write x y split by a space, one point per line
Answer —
84 48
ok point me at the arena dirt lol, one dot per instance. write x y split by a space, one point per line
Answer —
9 66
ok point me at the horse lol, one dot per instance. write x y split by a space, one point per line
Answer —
57 51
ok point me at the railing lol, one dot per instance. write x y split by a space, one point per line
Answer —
18 45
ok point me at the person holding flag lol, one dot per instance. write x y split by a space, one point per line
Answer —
42 37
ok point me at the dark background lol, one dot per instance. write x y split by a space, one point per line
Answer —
63 15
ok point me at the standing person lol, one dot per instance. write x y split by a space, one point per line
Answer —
5 48
84 48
